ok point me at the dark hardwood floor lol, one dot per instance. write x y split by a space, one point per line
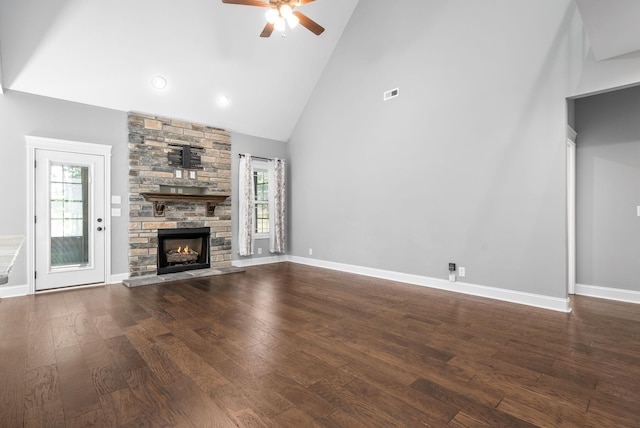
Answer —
287 345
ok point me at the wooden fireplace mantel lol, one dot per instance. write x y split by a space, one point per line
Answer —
181 197
159 200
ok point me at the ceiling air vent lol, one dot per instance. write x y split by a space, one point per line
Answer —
391 94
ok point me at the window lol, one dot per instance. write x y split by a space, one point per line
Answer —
69 213
261 190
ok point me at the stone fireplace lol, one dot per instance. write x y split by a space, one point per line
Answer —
167 192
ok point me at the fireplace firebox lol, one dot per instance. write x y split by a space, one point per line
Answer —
183 249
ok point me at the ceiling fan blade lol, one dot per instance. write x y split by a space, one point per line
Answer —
268 29
305 1
247 2
309 23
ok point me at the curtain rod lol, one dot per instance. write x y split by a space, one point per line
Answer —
256 157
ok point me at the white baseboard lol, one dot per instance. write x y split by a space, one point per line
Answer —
118 278
13 290
618 294
259 261
23 290
529 299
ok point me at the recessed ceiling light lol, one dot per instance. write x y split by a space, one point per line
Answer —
159 82
223 100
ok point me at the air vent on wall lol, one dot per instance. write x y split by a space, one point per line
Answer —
391 94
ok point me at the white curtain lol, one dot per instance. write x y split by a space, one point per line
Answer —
246 200
277 201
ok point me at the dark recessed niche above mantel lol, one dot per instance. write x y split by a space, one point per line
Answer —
160 199
185 156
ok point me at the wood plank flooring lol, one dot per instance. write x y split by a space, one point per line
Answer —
288 345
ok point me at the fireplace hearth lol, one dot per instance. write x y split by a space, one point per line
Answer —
183 249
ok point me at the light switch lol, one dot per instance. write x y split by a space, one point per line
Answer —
178 173
116 212
192 175
638 211
116 199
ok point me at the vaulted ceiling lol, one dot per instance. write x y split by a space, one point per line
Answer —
611 25
105 53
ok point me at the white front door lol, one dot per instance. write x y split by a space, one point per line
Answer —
70 219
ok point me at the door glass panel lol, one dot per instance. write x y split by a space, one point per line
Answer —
69 208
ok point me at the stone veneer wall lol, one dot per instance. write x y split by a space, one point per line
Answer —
149 139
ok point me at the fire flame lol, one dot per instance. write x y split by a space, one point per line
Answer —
184 250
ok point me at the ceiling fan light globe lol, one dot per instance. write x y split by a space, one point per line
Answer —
280 24
271 16
286 11
293 21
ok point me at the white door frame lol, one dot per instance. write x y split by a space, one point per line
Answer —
571 211
34 143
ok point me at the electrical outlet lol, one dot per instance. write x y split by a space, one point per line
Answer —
462 271
178 173
192 175
387 95
259 251
310 252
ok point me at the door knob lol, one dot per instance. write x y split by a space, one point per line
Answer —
99 220
99 229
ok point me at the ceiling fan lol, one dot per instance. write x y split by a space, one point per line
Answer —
280 13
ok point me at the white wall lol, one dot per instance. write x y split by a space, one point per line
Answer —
467 165
24 114
601 76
